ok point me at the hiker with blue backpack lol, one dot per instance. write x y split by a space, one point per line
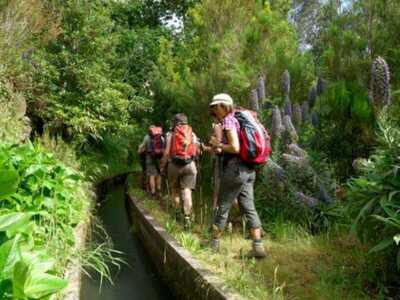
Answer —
153 146
245 144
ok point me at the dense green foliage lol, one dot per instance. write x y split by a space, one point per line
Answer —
374 196
41 203
345 129
226 47
83 93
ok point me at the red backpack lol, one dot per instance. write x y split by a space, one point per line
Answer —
255 145
157 142
183 149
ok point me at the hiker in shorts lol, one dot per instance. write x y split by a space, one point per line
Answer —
236 178
180 151
153 145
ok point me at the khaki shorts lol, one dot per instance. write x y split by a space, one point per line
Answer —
182 177
152 166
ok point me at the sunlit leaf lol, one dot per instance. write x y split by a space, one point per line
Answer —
20 276
9 181
41 284
9 255
14 220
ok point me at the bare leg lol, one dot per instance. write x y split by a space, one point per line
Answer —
158 183
187 201
187 207
175 198
152 183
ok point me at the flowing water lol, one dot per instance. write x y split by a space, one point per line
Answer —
137 280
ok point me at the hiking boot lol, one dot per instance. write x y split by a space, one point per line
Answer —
215 245
187 224
257 251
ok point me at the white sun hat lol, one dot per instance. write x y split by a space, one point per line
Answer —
221 99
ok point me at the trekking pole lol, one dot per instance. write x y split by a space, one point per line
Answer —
201 192
201 196
168 194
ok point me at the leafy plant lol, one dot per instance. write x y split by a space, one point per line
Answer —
374 197
41 202
345 126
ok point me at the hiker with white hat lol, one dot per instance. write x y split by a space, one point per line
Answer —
237 177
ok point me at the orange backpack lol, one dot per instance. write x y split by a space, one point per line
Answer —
183 148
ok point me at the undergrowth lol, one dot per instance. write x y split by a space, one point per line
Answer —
330 265
44 202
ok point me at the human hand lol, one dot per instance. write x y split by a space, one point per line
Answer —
214 141
218 150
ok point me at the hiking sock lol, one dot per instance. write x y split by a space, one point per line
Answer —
187 223
215 245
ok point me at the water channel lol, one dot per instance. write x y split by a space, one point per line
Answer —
137 280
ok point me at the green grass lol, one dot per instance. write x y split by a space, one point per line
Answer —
299 266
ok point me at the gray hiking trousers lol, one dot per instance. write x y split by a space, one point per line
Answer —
236 182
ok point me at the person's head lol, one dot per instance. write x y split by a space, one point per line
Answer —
221 105
151 127
179 119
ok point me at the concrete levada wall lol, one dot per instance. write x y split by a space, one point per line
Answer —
73 272
186 277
